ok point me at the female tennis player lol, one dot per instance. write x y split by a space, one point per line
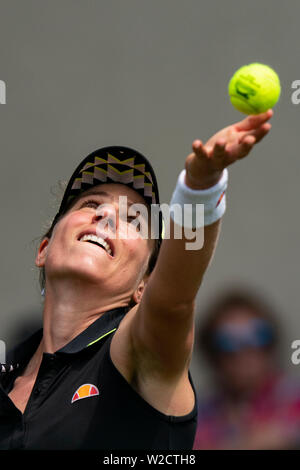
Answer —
110 368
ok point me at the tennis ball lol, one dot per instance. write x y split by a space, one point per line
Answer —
254 88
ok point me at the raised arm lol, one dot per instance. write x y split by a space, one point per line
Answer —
161 330
168 301
179 272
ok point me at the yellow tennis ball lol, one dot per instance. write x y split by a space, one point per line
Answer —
254 88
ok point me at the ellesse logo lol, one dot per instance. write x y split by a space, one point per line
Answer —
85 391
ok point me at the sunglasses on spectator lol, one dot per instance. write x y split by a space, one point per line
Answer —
233 337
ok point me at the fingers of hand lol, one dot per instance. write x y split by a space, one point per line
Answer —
262 131
240 150
237 151
197 145
248 141
254 121
199 149
219 149
258 133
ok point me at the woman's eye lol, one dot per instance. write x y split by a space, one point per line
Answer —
89 203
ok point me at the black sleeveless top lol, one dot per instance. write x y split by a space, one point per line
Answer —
81 401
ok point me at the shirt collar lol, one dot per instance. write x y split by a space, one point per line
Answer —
100 328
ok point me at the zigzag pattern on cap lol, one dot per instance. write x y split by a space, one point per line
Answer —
4 368
111 169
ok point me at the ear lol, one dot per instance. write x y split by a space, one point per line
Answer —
138 294
42 252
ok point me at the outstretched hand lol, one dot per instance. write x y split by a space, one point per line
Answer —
205 165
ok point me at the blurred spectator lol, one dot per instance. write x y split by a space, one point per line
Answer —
254 404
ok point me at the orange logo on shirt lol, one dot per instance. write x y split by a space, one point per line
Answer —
85 391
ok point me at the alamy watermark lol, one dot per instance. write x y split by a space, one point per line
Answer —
295 357
2 352
2 92
136 221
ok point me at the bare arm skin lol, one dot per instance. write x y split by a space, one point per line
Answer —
153 346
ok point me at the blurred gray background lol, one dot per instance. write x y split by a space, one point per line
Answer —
152 75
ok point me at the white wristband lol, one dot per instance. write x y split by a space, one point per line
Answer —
213 200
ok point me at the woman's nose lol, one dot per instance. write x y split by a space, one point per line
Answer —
106 217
